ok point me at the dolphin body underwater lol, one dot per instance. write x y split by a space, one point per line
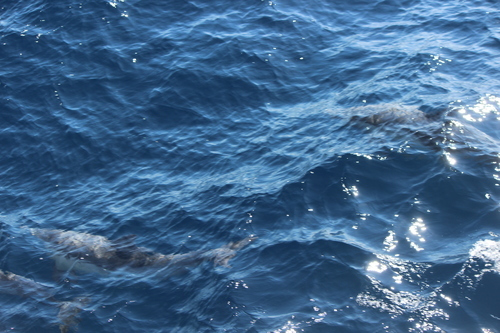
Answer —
13 284
438 129
86 253
396 114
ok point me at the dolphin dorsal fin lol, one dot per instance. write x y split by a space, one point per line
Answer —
125 246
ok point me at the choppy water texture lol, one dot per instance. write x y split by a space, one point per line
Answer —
359 140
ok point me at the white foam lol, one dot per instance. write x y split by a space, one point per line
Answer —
489 251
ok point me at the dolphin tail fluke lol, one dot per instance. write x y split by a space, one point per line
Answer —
242 243
69 312
221 256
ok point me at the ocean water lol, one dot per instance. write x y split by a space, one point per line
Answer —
358 140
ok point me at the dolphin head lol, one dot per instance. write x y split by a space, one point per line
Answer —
47 235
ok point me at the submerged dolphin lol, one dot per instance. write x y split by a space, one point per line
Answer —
14 284
69 311
380 114
91 253
402 122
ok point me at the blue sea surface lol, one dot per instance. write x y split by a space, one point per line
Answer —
358 140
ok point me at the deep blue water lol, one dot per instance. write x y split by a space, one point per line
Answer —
195 123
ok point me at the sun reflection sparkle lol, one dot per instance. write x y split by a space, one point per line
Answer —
450 159
484 107
376 266
390 242
416 228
